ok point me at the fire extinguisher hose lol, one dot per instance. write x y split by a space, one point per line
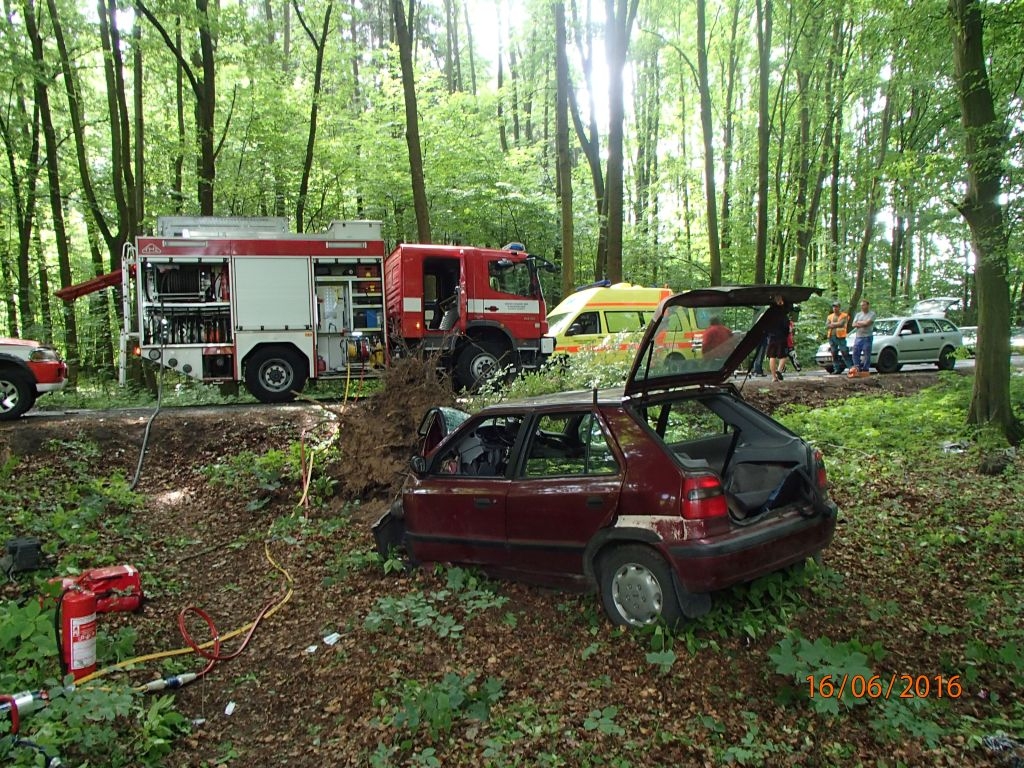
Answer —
204 649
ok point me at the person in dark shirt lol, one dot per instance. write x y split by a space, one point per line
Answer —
777 351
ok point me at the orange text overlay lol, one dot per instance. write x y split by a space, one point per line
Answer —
892 686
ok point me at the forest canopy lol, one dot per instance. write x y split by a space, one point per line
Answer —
812 142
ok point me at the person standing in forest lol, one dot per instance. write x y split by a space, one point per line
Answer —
835 331
777 334
864 329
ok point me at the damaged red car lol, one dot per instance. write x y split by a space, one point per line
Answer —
655 494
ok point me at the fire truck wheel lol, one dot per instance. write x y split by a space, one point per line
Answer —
274 375
17 393
478 360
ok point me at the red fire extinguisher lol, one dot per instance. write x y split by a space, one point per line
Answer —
77 636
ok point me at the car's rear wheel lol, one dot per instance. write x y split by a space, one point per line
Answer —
17 393
637 587
887 361
947 359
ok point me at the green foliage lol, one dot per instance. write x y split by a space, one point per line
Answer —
111 724
582 370
425 610
50 502
822 670
754 747
603 721
438 706
263 476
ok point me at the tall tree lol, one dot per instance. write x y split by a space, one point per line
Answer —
42 99
204 89
319 45
589 136
20 133
403 35
982 209
619 17
708 131
764 48
562 143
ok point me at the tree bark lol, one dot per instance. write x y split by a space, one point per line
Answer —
985 153
562 143
619 15
42 99
711 207
403 35
319 45
764 46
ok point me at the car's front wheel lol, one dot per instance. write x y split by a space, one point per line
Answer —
17 393
637 587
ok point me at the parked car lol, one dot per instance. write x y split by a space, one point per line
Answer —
1017 341
901 340
969 333
937 305
654 494
27 369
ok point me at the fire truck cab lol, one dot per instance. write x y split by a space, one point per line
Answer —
481 308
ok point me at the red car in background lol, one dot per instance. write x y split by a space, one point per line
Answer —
655 494
27 369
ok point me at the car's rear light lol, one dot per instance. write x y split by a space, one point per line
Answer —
703 497
43 355
820 475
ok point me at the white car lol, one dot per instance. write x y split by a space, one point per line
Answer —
901 340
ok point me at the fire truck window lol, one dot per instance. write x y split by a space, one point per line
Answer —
512 278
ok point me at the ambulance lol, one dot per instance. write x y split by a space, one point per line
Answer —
596 316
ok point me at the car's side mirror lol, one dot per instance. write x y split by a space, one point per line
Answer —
906 331
574 329
418 465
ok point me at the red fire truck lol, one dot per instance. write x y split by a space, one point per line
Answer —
243 299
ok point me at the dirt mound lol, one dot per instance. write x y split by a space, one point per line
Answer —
376 442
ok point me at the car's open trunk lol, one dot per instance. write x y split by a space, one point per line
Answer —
762 465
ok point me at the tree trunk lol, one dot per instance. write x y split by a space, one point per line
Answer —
707 128
725 244
589 136
764 46
42 99
985 151
319 45
403 35
871 205
619 15
562 144
23 193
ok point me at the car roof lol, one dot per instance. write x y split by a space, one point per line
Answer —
609 396
20 342
900 318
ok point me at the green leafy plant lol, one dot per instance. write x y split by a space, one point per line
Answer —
818 668
439 705
603 721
